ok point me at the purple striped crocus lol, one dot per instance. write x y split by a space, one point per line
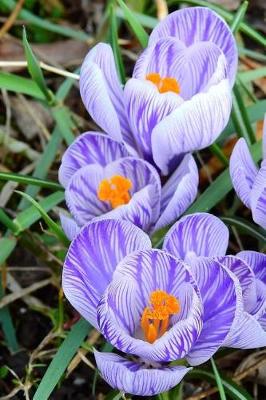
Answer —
179 97
200 238
102 180
248 180
150 305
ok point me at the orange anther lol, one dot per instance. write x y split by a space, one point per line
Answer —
166 84
155 319
115 190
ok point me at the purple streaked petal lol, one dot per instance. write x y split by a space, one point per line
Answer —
256 261
123 303
222 302
258 197
199 24
69 226
243 171
179 192
193 67
131 377
192 126
100 90
264 138
145 108
81 194
89 148
194 235
92 259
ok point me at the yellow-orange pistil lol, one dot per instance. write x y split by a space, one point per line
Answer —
115 190
164 85
155 319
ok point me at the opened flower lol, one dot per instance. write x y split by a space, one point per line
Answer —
201 238
103 181
248 180
179 98
148 305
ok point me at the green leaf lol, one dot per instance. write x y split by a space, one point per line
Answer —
240 117
115 45
135 25
52 225
239 16
29 216
7 222
8 176
218 380
18 84
63 119
252 75
233 390
35 69
64 355
246 227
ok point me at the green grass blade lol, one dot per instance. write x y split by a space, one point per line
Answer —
28 180
218 380
52 225
246 227
18 84
115 45
135 25
239 16
252 75
240 117
7 222
61 360
64 122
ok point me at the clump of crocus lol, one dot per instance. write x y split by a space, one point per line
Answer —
248 180
102 180
150 305
179 97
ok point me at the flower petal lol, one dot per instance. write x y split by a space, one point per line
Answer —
258 197
146 107
70 227
131 377
221 296
192 126
179 192
199 234
89 148
243 171
100 90
92 259
256 261
264 138
121 308
199 24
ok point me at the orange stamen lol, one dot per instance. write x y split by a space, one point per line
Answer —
115 190
164 85
155 319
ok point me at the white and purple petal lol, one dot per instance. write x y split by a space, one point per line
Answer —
258 197
92 259
199 234
122 305
243 171
179 192
256 261
89 148
222 305
199 24
134 378
69 226
194 125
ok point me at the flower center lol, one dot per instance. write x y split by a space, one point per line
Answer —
115 190
164 85
155 319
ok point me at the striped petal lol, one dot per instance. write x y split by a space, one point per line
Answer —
102 93
89 148
264 138
222 302
70 227
179 192
199 24
121 308
258 197
256 261
145 108
92 259
243 171
131 377
192 126
194 235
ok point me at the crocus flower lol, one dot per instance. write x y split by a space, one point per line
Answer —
248 180
103 180
179 98
201 238
148 304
